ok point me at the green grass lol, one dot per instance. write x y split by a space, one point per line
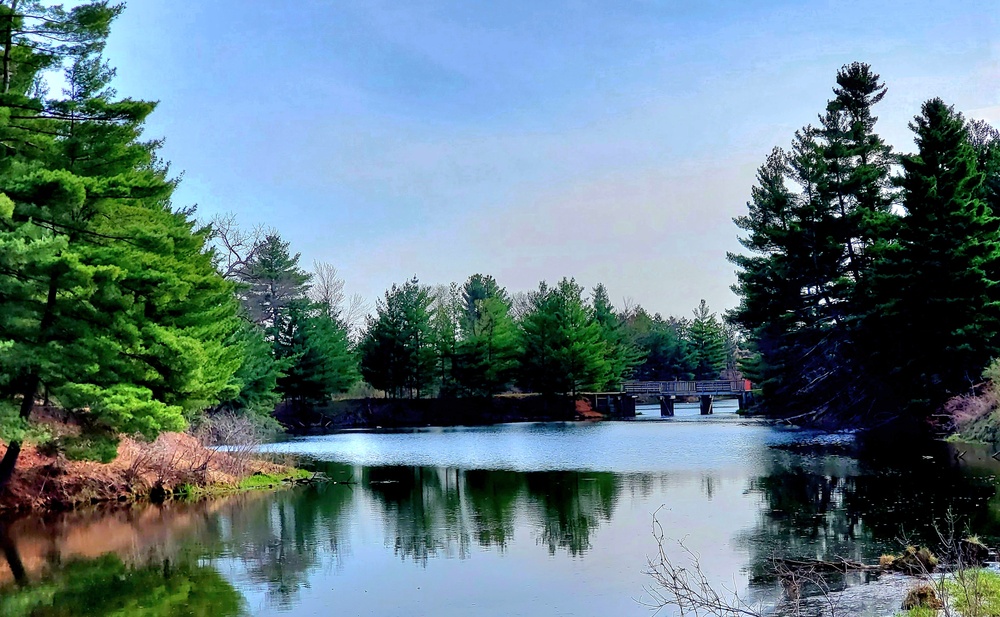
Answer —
918 612
961 439
256 482
262 480
975 593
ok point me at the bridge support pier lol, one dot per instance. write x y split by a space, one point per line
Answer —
666 406
706 404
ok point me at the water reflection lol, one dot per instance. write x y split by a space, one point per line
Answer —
552 531
107 586
439 512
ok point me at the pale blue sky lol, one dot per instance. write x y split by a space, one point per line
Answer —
610 141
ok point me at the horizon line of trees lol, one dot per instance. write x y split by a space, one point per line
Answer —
871 283
304 343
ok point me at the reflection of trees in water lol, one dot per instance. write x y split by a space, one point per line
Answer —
106 586
493 499
282 538
423 510
432 511
571 506
828 507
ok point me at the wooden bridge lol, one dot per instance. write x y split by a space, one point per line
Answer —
669 391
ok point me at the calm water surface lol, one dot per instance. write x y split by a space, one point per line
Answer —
518 519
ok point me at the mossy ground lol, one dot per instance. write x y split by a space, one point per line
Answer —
255 482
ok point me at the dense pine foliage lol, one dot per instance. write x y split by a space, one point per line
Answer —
871 284
478 340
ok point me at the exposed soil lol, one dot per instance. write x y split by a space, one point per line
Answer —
585 412
142 470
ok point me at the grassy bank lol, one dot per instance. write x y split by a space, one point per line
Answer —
175 464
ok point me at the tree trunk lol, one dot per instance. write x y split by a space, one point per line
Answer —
14 447
30 387
7 47
8 462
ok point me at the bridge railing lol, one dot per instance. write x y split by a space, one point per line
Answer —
684 388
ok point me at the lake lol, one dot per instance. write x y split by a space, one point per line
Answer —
516 519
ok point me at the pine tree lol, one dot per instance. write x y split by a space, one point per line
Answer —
936 320
111 302
562 350
478 287
486 357
256 379
396 350
817 218
770 294
621 356
662 353
858 164
320 360
271 284
708 344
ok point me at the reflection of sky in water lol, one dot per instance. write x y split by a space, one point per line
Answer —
545 519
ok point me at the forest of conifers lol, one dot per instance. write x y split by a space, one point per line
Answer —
870 283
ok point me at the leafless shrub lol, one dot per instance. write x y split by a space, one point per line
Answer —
964 410
238 433
686 587
807 584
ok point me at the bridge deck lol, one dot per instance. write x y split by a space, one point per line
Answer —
688 388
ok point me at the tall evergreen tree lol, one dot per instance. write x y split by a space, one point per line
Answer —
817 218
272 283
858 164
320 360
396 350
621 356
479 287
562 347
708 344
768 286
111 302
936 322
255 382
486 358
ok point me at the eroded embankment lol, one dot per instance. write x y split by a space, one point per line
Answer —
173 463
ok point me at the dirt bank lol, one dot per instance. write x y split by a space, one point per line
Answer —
141 471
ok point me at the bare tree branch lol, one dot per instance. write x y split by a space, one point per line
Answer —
235 248
327 288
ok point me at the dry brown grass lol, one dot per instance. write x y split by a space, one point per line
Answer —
140 469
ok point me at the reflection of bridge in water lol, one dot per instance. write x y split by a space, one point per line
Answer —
668 392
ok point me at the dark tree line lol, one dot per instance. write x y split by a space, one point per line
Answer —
870 285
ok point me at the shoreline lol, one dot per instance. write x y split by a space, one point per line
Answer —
373 413
174 466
